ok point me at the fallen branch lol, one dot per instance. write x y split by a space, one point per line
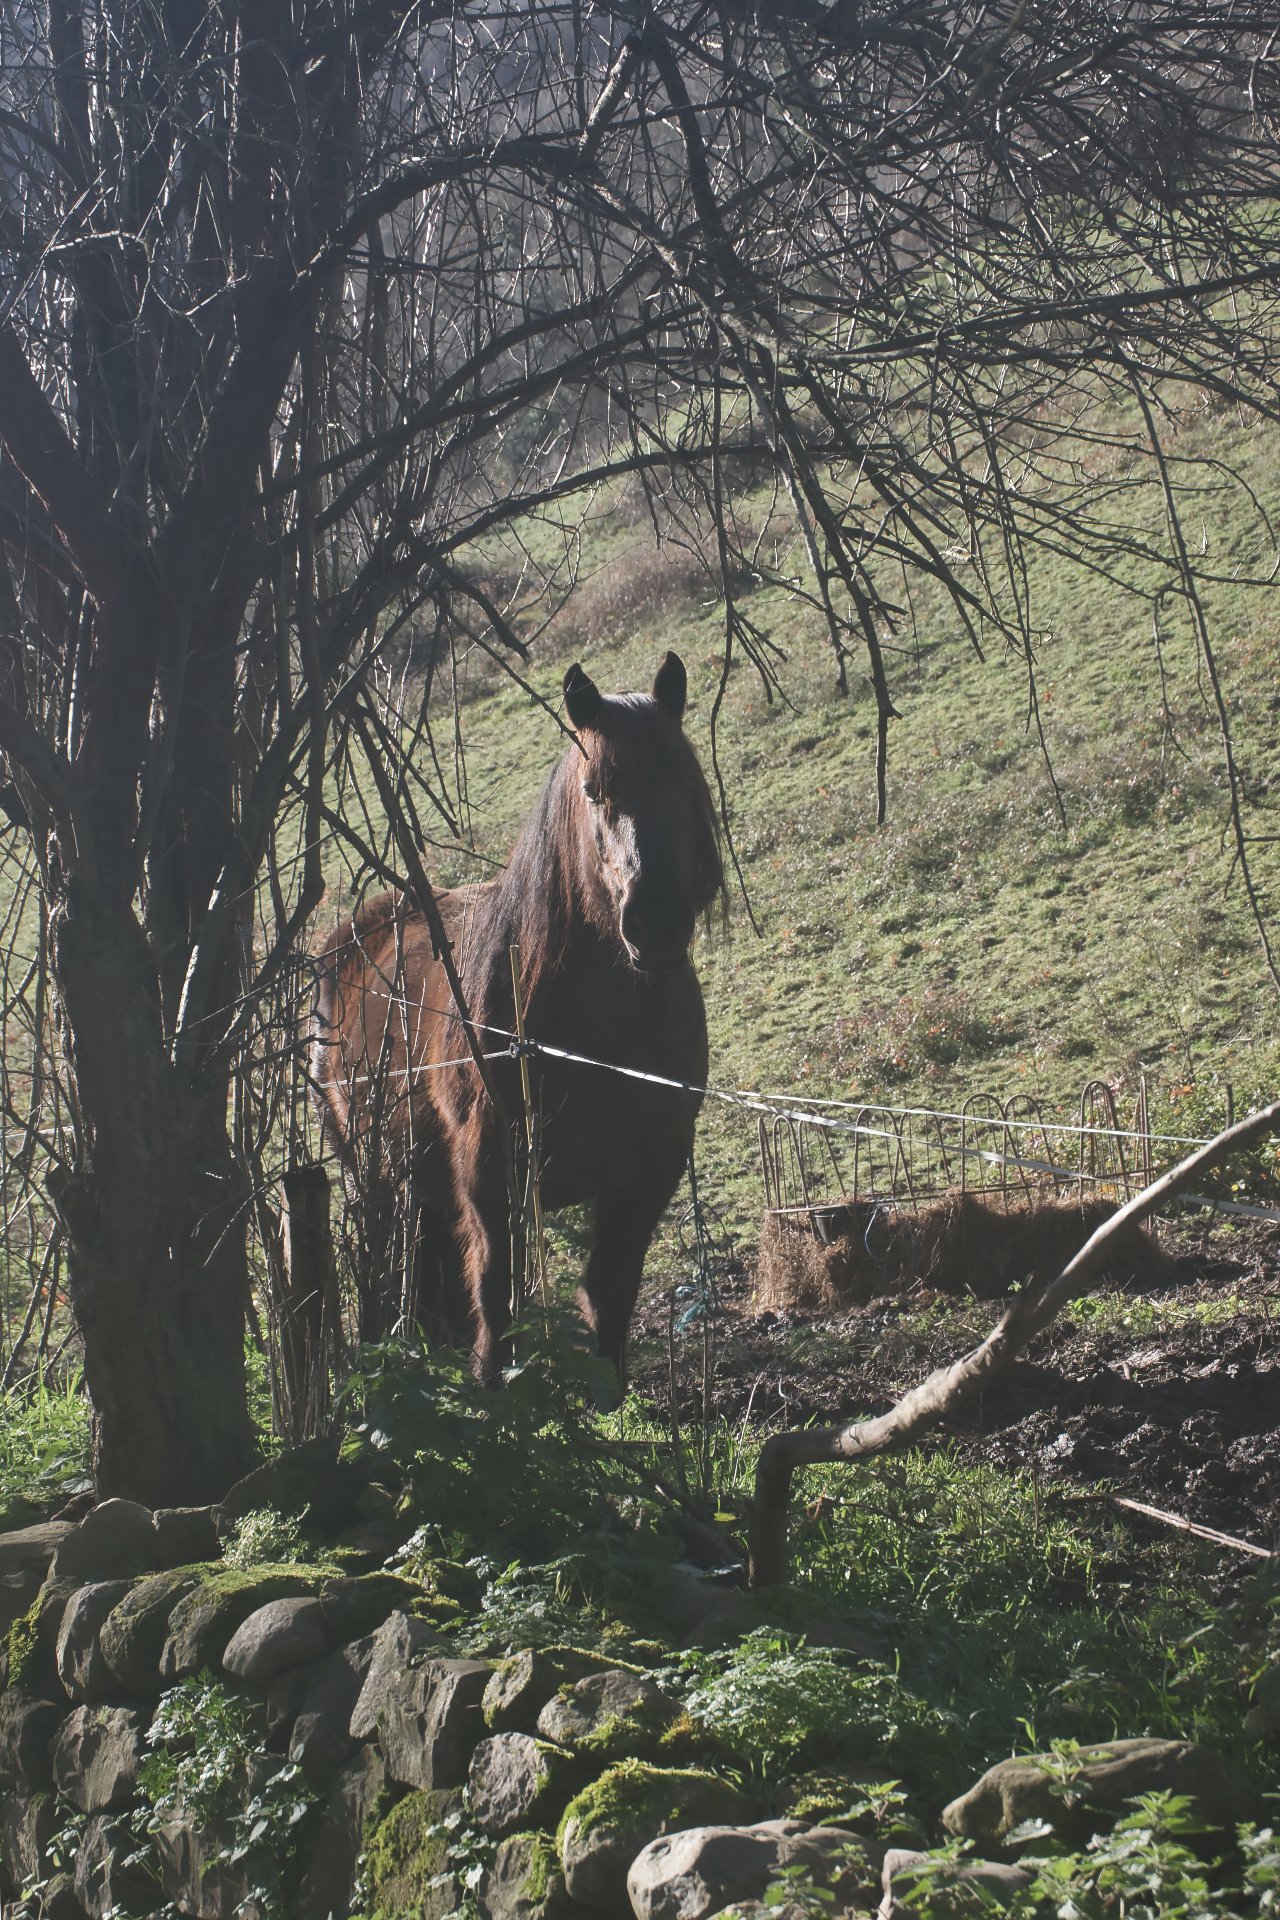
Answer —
1191 1526
949 1387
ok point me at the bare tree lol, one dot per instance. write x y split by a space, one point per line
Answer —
307 307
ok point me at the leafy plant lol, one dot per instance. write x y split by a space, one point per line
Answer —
265 1535
44 1445
771 1698
1144 1869
517 1472
208 1765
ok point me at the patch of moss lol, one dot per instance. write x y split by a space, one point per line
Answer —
655 1800
404 1854
683 1740
22 1644
544 1863
220 1599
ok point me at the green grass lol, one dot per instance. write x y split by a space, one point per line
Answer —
973 942
44 1448
1022 1612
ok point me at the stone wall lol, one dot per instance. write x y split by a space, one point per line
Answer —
388 1776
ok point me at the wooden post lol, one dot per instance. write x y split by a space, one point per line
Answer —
308 1315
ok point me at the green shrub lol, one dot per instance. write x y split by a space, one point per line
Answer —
267 1537
771 1698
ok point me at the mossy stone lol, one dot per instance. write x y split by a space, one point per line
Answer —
31 1644
354 1604
614 1715
221 1599
525 1881
406 1861
133 1634
632 1803
522 1685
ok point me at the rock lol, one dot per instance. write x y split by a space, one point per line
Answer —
606 1826
82 1669
371 1543
28 1728
195 1871
406 1860
31 1647
105 1885
283 1633
285 1696
315 1481
610 1715
395 1645
1083 1794
133 1634
517 1781
185 1535
203 1621
334 1853
525 1881
114 1540
96 1758
521 1686
956 1890
28 1822
58 1900
691 1875
321 1740
359 1605
25 1555
431 1721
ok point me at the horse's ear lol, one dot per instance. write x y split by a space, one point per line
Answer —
582 698
671 685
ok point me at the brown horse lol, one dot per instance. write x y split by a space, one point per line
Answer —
601 893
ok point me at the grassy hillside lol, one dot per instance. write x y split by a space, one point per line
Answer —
974 941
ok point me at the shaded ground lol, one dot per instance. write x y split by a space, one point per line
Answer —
1171 1397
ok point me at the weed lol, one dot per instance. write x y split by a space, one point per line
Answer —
267 1536
44 1446
772 1700
208 1766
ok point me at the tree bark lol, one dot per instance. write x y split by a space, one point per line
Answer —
154 1215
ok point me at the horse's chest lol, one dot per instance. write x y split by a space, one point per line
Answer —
610 1111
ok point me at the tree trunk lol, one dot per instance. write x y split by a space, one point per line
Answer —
155 1217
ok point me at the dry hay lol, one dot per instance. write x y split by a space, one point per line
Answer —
963 1243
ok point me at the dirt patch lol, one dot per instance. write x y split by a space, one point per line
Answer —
1169 1394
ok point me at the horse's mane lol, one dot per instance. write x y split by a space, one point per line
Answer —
537 899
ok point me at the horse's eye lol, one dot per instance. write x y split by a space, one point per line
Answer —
591 793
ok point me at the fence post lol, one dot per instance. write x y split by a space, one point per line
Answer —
308 1306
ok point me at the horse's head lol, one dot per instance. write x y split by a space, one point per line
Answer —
648 822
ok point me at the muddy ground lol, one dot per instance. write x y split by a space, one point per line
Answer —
1170 1395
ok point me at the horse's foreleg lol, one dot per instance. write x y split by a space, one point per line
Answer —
625 1222
484 1233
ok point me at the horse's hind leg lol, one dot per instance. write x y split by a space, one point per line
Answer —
625 1222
